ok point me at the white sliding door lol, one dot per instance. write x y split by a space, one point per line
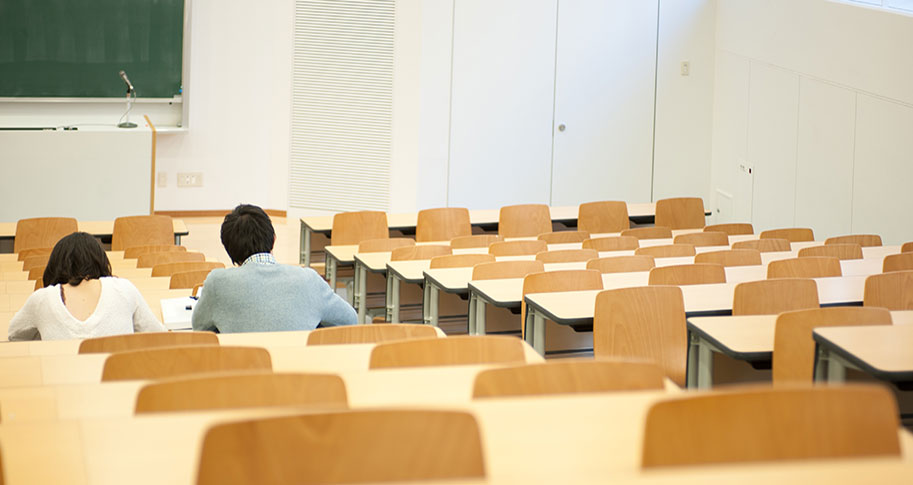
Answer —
502 99
604 96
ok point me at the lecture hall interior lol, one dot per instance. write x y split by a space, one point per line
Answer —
582 241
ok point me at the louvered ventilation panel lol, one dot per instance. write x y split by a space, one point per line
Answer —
342 105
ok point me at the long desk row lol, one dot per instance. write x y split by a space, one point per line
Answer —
102 229
639 213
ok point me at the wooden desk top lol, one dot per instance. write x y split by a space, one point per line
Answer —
883 351
751 337
95 228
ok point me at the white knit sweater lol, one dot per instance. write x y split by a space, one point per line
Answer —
121 309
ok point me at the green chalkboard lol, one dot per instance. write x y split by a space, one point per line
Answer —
75 48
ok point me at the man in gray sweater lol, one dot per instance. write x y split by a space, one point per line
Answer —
259 295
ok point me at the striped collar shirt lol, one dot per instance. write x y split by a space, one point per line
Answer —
260 258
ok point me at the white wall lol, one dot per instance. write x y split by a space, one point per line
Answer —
239 96
813 96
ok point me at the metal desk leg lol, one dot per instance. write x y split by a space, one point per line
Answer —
535 331
177 239
330 271
481 307
694 344
471 317
304 245
360 290
392 297
833 365
700 363
431 304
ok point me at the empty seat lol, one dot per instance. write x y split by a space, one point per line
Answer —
385 244
232 391
688 274
354 227
681 213
770 297
409 253
791 234
146 340
134 252
603 217
667 251
364 334
769 245
525 220
477 241
149 260
617 243
864 240
460 260
702 239
839 251
893 291
564 237
554 281
168 269
370 446
567 255
517 248
142 231
42 232
732 229
568 377
808 267
782 423
506 269
27 253
730 257
185 360
442 224
654 232
897 262
459 350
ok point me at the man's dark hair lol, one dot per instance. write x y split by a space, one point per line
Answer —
74 259
246 231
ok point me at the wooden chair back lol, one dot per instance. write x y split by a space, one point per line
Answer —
149 260
907 247
364 446
864 240
730 257
564 237
681 213
242 390
702 239
893 291
37 261
386 244
839 251
36 273
524 220
553 281
517 248
653 232
567 255
622 264
184 360
645 323
409 253
603 217
188 279
770 297
769 245
460 260
142 231
894 262
732 229
135 251
145 340
807 267
42 232
666 251
782 423
794 348
568 377
791 234
476 241
369 334
617 243
506 269
459 350
168 269
26 253
354 227
688 274
442 224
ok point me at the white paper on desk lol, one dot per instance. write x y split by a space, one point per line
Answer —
175 314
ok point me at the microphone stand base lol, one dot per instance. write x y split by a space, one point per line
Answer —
126 124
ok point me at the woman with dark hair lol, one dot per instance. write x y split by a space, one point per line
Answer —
81 299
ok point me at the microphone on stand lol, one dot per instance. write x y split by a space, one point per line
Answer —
130 91
123 76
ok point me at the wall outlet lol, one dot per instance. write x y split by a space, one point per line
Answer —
190 179
686 68
162 179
